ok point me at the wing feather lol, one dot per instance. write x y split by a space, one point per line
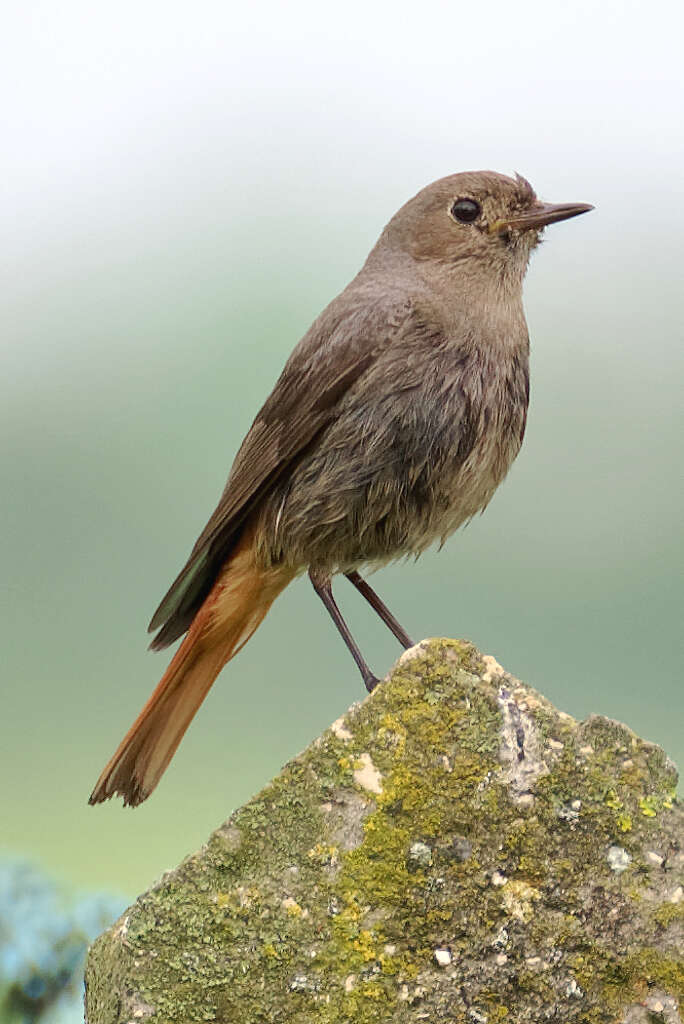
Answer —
335 353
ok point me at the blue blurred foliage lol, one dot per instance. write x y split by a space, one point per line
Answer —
44 934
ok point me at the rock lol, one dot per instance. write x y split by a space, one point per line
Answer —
454 849
419 856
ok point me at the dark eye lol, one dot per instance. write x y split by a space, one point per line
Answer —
466 210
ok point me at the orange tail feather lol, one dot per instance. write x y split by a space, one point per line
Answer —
232 611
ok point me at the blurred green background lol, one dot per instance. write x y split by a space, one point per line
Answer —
184 188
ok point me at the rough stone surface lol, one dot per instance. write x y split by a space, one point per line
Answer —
453 849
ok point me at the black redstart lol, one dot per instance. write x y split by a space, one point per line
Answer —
393 422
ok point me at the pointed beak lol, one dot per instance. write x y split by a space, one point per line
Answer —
542 214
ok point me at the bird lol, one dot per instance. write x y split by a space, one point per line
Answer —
393 422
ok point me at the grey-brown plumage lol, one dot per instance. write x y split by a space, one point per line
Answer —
393 422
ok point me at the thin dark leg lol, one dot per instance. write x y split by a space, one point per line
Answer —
323 588
383 611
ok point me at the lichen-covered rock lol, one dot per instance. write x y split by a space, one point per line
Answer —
453 849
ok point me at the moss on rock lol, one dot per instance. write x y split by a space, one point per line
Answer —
454 849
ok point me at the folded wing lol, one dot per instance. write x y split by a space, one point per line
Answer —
338 349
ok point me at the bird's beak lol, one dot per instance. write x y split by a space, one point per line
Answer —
540 215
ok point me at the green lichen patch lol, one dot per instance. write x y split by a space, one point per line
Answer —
453 849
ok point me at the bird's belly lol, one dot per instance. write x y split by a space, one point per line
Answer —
458 490
372 496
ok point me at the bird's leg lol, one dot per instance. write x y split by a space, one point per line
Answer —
383 611
323 588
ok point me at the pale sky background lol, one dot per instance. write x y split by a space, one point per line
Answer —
184 187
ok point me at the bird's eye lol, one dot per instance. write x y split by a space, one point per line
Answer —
466 210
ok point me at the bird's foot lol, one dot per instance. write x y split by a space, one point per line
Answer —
370 681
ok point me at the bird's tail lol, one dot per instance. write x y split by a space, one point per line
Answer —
234 608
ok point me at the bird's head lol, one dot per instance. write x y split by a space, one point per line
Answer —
478 220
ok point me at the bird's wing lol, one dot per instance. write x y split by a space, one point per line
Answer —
338 349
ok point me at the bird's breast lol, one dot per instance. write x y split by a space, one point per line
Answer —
477 417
